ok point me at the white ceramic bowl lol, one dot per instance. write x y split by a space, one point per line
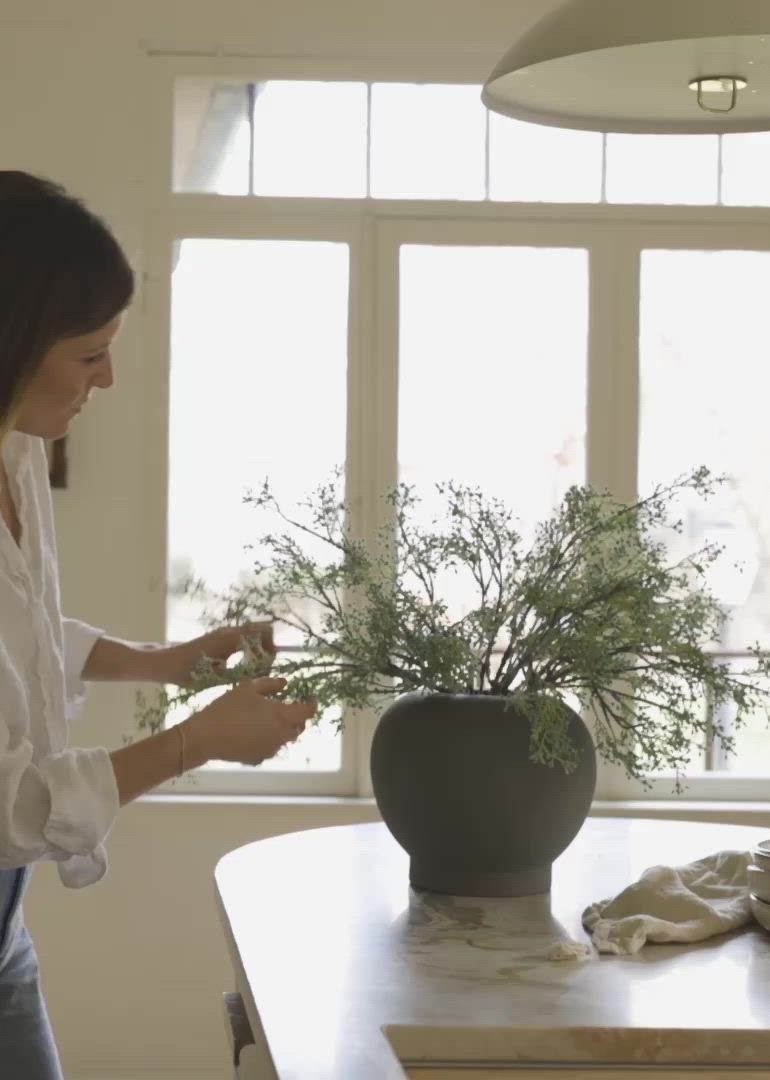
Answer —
760 854
761 910
759 883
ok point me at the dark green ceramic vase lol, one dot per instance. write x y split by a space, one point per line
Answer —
454 784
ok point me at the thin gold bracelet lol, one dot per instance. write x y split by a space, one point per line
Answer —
178 727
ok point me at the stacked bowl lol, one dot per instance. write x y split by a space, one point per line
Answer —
759 882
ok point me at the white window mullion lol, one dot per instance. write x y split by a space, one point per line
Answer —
613 367
613 394
361 472
155 306
384 355
154 299
375 404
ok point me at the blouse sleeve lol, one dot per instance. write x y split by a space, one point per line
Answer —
79 640
56 802
61 806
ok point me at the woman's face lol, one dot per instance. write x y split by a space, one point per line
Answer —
69 372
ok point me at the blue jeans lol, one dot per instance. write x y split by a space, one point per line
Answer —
27 1047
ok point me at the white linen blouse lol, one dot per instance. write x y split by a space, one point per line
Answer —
56 802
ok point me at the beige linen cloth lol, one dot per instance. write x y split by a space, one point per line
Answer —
674 903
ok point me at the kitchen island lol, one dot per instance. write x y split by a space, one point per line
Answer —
347 974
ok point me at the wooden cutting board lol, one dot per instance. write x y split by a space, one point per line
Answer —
615 1072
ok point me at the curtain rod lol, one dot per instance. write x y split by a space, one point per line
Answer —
357 51
199 54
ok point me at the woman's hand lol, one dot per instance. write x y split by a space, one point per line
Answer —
177 664
248 724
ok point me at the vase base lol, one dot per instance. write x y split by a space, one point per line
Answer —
428 876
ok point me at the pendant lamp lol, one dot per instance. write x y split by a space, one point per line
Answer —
641 67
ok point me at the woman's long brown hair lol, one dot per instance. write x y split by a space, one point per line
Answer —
62 274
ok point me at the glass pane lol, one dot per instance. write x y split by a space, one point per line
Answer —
695 762
310 139
427 142
705 383
681 169
751 756
258 389
745 169
535 163
752 743
492 386
211 137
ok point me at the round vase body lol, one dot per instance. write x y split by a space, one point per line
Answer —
454 783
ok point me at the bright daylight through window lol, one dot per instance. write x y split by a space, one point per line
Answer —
502 322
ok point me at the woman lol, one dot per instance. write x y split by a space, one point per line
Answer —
64 286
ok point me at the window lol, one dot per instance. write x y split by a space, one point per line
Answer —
479 358
381 274
249 362
395 140
704 381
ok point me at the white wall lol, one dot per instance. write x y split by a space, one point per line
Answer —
134 966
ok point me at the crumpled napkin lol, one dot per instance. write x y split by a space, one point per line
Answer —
674 903
568 950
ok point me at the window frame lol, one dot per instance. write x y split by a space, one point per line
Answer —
614 236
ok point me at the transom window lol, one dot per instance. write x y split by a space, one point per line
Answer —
382 140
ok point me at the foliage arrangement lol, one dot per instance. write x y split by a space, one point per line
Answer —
591 611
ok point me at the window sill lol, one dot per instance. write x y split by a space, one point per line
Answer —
719 811
304 802
330 808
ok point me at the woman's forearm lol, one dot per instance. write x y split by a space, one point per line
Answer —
143 765
112 660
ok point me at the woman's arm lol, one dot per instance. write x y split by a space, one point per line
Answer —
113 660
144 765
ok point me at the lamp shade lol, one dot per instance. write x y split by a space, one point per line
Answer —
629 65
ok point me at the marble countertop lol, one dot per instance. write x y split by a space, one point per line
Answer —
345 970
